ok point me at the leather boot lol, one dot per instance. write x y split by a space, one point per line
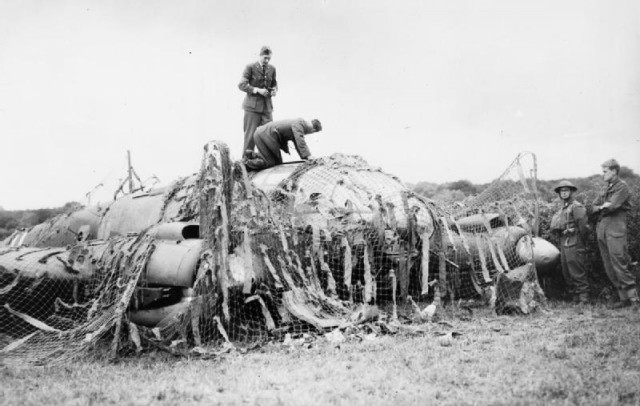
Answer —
255 164
250 154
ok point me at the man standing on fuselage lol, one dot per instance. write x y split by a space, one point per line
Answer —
260 85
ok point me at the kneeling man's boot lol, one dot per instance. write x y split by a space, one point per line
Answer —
255 164
250 154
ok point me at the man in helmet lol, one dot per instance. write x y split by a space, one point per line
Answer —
612 206
570 223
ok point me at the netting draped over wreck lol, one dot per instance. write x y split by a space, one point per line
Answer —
304 252
492 238
70 314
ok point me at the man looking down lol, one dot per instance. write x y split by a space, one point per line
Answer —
260 86
273 137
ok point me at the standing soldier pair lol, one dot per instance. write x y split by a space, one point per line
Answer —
570 222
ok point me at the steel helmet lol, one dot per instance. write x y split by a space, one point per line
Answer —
565 183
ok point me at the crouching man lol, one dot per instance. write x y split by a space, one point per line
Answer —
570 223
612 206
274 137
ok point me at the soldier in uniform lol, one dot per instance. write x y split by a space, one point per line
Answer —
570 223
275 136
260 85
612 206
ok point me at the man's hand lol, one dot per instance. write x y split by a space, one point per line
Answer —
260 91
604 206
273 92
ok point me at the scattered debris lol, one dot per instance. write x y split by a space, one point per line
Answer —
335 337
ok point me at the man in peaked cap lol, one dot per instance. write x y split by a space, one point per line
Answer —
570 223
260 85
612 206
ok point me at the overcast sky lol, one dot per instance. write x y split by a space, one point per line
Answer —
428 90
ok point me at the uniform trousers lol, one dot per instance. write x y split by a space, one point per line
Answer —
253 120
612 242
268 148
573 269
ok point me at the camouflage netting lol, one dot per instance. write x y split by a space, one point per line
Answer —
69 300
333 243
492 238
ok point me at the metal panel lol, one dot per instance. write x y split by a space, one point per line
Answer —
174 263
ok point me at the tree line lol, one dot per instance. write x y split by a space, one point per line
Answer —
12 220
459 190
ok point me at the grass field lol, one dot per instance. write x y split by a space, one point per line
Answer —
568 355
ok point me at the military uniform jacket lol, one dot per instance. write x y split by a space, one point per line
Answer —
253 77
284 131
617 193
571 223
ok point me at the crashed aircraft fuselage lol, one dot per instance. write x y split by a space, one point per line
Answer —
360 231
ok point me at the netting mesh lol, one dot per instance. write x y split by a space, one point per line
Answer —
306 247
59 311
490 238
